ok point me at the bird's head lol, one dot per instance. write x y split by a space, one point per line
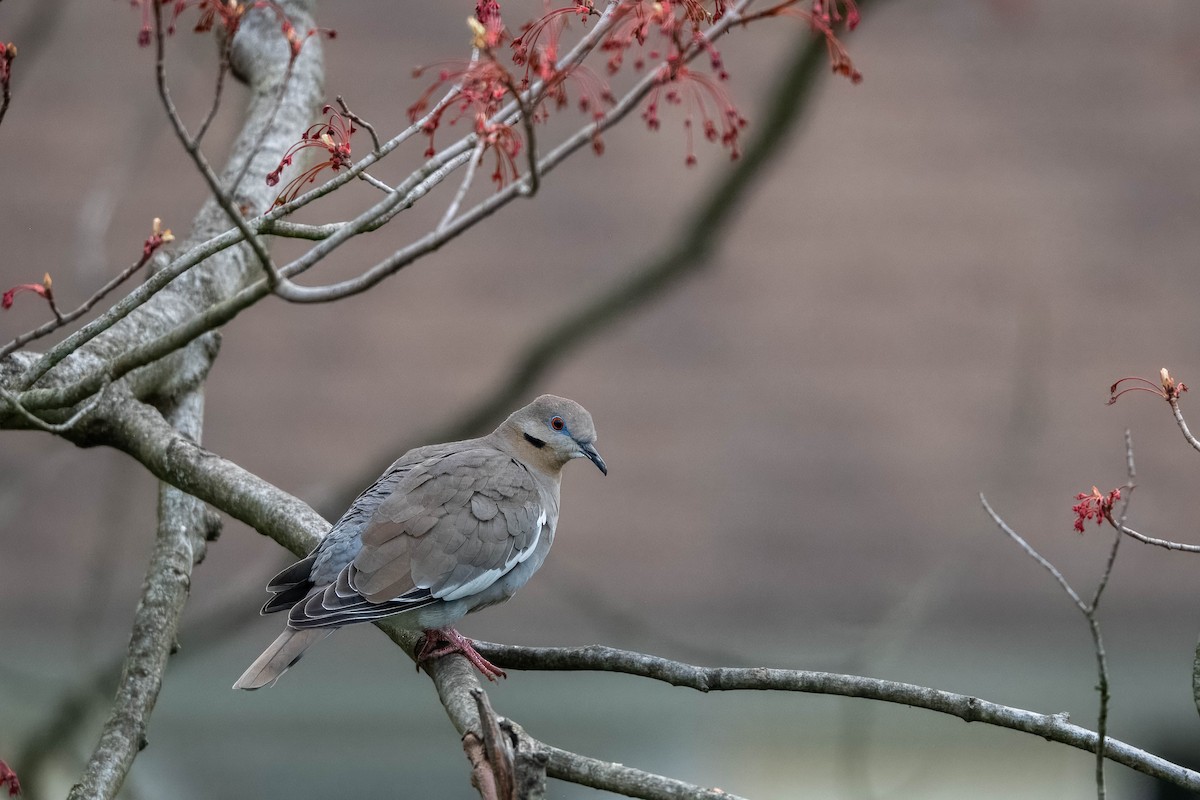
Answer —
555 430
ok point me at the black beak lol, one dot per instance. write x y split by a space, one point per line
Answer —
589 450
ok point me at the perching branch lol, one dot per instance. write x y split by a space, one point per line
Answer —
1053 727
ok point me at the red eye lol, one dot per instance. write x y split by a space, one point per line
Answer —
557 423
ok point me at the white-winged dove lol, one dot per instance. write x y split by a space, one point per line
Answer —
448 529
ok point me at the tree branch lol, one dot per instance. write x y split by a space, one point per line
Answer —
137 429
183 525
1053 727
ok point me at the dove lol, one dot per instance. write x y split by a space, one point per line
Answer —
448 529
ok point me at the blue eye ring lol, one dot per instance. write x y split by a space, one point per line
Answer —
557 423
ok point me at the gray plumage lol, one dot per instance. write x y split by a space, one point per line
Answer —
448 529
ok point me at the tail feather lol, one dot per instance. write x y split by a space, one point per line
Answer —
282 653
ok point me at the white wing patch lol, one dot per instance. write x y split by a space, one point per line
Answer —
487 578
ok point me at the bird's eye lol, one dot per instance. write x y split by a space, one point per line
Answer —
557 423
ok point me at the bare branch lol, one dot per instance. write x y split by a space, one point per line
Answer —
1187 434
222 71
1053 727
468 179
611 777
1087 609
64 319
362 123
183 525
1035 555
1185 548
140 431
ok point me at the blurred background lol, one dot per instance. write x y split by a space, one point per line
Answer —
927 298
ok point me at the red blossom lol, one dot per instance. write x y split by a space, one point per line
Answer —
1095 506
505 144
7 53
537 49
828 12
42 289
158 237
703 97
332 136
823 17
1166 388
481 86
147 30
540 56
229 12
491 32
8 780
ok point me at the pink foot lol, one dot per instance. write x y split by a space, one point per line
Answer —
440 642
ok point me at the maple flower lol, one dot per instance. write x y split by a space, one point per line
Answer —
158 237
43 289
8 780
7 53
823 17
637 21
332 136
504 142
703 96
828 11
537 49
1167 388
229 12
487 27
540 59
1095 506
480 88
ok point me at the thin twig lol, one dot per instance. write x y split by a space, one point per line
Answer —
263 131
63 319
222 70
1131 473
468 178
1035 555
1185 548
533 181
192 147
52 427
1088 610
377 150
1187 434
